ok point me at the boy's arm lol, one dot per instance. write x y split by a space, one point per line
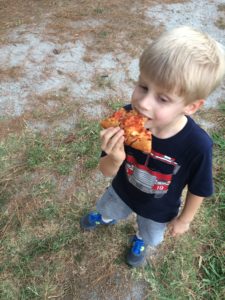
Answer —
181 224
108 166
112 143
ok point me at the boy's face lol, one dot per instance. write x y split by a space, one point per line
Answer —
165 111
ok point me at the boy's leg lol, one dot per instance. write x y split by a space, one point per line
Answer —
150 235
152 232
110 208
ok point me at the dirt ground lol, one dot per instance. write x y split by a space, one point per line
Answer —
84 51
63 59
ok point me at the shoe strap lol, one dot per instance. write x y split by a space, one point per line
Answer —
138 246
95 217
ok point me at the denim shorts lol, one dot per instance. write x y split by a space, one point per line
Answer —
110 206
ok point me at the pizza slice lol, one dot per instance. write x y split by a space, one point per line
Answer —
133 124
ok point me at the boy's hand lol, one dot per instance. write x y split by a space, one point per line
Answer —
113 143
177 227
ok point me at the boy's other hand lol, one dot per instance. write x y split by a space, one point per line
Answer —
112 143
178 227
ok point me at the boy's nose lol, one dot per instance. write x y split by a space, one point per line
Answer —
146 102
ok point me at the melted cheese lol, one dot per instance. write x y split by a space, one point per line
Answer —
134 133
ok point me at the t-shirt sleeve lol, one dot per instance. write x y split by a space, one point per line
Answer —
201 178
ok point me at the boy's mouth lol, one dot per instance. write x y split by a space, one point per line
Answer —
148 118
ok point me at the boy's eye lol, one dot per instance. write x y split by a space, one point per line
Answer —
163 99
145 88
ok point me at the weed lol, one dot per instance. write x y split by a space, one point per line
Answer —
51 243
99 10
2 152
43 189
30 292
219 140
64 168
36 153
103 34
222 107
3 221
116 104
4 198
90 144
220 23
103 82
221 7
8 291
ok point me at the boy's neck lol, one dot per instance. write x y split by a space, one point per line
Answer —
171 130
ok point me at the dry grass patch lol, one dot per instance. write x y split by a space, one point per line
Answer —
212 115
106 25
13 73
11 125
16 13
98 266
174 1
221 7
52 106
220 23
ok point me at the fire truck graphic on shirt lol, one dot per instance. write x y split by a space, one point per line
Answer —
150 180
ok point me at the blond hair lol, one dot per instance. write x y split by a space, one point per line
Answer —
185 61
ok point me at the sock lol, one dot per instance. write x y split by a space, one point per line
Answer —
105 220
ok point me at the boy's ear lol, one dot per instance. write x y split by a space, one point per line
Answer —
193 107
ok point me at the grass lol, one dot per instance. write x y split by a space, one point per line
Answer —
41 242
34 224
63 154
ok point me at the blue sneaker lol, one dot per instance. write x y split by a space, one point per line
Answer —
137 254
92 220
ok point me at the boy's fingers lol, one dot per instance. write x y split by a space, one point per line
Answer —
106 136
111 138
173 233
171 230
109 132
119 143
115 143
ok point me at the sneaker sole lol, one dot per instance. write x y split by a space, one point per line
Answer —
84 227
137 264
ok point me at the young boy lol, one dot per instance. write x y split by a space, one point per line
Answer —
177 72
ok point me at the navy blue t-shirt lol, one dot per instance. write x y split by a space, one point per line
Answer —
151 184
